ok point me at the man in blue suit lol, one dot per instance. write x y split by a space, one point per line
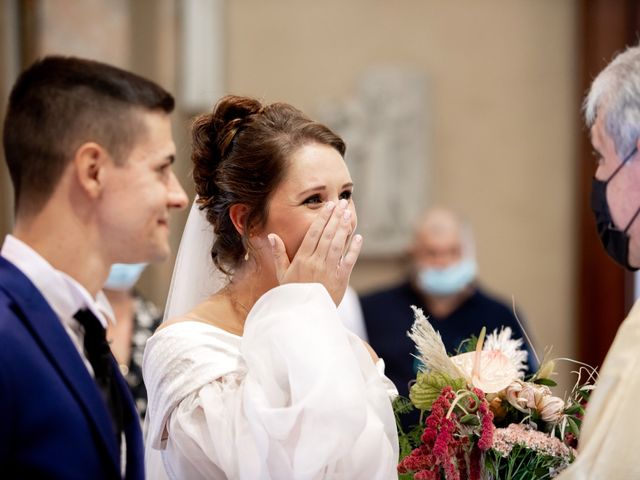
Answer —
89 149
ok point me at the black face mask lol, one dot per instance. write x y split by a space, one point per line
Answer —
615 241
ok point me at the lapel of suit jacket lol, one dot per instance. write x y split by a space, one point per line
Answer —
53 339
132 430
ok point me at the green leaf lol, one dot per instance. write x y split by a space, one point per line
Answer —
428 387
584 394
467 345
470 419
545 381
573 426
573 409
402 405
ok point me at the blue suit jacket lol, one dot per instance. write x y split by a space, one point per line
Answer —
53 421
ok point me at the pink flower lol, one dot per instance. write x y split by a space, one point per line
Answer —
487 426
451 472
440 446
426 475
475 466
445 437
551 408
461 460
418 459
527 396
518 434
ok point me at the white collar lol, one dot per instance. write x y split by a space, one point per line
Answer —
63 293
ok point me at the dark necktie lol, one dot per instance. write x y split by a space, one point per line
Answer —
99 356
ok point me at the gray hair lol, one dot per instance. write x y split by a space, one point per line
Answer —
438 219
616 93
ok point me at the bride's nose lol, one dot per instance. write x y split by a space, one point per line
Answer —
350 206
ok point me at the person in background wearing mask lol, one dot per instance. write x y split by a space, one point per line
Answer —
136 320
608 445
443 284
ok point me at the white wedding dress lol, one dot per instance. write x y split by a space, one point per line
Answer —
296 397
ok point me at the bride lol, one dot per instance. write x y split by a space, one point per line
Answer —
261 380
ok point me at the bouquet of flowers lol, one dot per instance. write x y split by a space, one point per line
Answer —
480 418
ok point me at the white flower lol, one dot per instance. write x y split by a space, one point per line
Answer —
551 408
511 347
490 371
533 394
512 395
433 353
526 396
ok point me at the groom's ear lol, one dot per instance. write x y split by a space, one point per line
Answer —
238 213
90 162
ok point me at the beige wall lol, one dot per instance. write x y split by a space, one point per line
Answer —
502 89
8 71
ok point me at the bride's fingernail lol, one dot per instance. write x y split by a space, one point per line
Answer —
357 238
347 214
330 205
342 203
272 240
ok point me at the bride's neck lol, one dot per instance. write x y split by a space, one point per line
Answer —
229 307
249 283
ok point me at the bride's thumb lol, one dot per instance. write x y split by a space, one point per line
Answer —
279 251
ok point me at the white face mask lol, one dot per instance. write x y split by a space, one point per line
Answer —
447 281
124 276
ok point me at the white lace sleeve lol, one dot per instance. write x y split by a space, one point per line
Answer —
305 402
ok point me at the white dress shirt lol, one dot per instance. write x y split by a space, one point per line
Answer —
63 293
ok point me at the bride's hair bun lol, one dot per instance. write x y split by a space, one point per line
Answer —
213 135
240 154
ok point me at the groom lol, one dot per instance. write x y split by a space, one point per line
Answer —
89 150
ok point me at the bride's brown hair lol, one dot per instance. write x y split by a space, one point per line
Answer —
240 154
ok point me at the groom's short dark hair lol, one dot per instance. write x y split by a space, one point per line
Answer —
58 104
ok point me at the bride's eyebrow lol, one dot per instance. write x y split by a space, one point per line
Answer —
321 188
316 189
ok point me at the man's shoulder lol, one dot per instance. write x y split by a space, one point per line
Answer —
11 277
8 306
496 313
491 302
19 299
13 330
393 302
401 292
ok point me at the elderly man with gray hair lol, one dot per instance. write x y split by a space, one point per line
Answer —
608 446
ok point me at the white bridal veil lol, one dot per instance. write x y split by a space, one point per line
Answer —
195 277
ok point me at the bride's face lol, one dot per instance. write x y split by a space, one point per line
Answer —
316 174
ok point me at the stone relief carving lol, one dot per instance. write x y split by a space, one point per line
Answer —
385 127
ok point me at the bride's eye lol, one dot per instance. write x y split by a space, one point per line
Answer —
313 200
347 194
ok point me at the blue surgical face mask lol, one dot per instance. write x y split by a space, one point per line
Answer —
447 281
124 276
